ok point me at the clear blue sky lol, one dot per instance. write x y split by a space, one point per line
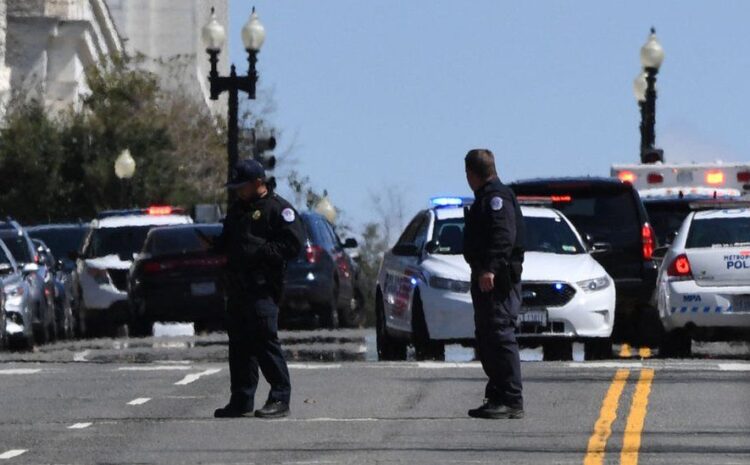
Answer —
380 94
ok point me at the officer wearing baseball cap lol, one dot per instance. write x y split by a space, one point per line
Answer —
261 232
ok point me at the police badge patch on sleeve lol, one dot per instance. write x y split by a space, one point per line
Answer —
496 203
288 215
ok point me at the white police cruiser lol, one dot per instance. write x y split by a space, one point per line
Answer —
423 287
100 276
704 279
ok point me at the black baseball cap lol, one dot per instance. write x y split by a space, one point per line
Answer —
245 171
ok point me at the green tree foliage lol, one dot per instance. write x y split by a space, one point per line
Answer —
61 167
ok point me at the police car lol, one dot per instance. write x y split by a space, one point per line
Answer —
423 287
101 274
704 279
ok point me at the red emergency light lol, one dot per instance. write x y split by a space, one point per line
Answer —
655 178
160 210
743 176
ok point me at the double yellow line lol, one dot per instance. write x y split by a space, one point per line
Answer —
634 425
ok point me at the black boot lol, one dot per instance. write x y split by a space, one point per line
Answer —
232 411
495 411
273 409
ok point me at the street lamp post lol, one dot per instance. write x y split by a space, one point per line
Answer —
124 170
214 36
644 87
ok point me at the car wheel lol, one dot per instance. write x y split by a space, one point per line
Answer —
425 348
676 344
597 348
389 348
20 344
140 328
329 313
353 316
558 350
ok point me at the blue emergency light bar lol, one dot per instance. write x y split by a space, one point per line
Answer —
450 201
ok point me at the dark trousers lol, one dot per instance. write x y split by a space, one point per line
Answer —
495 316
254 342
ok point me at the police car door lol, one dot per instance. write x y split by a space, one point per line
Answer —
402 271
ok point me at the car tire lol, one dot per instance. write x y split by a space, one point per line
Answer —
389 348
18 344
597 348
424 347
676 344
328 314
558 350
353 316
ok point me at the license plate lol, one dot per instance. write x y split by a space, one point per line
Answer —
537 316
199 289
741 303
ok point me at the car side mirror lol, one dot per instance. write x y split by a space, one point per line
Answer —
431 247
600 248
30 268
406 250
351 243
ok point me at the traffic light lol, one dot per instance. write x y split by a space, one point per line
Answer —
264 140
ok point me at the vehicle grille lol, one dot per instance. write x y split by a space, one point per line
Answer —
119 279
547 294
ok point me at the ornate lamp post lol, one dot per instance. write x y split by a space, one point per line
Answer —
124 170
214 36
644 87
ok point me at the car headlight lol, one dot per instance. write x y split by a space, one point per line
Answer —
450 284
99 275
593 285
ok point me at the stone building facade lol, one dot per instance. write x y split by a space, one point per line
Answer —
46 45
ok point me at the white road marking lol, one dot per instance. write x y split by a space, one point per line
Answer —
155 368
80 425
734 366
314 366
139 401
20 371
81 356
12 453
191 378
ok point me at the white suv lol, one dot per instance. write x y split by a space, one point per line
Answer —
100 275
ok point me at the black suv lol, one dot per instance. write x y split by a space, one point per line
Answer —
323 281
610 215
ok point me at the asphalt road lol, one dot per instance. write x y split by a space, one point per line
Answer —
626 411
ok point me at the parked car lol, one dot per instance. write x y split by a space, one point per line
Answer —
609 214
64 319
423 289
177 278
322 283
704 280
41 287
17 317
100 279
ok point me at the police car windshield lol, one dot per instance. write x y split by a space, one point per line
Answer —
666 217
549 235
718 232
123 242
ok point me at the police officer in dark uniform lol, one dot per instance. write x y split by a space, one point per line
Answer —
261 232
493 247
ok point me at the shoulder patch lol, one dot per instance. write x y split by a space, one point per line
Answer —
288 215
496 203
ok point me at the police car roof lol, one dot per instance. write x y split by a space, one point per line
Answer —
728 213
140 220
573 180
447 213
688 193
